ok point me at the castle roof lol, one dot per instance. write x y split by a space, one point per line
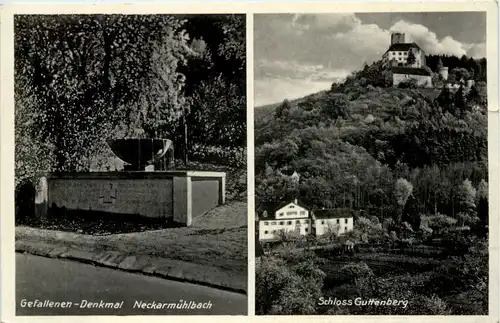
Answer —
410 70
402 47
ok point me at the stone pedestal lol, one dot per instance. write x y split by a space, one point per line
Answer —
176 196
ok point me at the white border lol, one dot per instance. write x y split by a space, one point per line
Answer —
7 144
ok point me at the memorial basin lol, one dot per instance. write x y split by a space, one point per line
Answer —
140 152
175 196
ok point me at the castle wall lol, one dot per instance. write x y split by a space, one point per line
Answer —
422 80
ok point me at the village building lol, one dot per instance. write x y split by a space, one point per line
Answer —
405 74
296 217
406 61
295 177
399 51
288 216
339 221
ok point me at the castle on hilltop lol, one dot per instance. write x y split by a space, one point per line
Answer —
407 61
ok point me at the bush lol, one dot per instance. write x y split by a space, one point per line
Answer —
288 290
233 157
409 84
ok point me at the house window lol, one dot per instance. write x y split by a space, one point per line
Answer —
298 222
289 222
346 221
306 229
266 232
405 53
273 223
322 222
281 213
292 206
399 53
291 213
274 231
306 221
266 223
281 222
338 221
345 229
302 212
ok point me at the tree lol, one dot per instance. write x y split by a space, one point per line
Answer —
482 203
283 109
336 106
285 289
439 65
460 105
217 81
445 100
410 213
467 202
411 58
85 77
459 73
402 191
473 96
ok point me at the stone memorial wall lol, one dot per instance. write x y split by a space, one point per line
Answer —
174 195
145 197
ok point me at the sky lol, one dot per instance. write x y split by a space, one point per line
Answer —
299 54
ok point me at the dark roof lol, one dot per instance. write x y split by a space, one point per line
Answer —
333 213
272 207
410 70
402 47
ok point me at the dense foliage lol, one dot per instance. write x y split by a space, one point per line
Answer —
351 151
413 163
83 79
475 67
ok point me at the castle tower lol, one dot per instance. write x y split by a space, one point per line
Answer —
443 71
397 38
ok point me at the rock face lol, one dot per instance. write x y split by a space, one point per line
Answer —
139 153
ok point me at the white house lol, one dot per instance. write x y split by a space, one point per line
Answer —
289 216
294 216
339 221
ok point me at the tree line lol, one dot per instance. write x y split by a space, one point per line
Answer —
352 145
82 79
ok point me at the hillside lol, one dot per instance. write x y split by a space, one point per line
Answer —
413 163
351 146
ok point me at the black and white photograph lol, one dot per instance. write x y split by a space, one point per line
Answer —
371 163
130 164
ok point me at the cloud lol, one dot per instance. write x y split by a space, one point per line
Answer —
476 50
301 53
428 40
325 22
277 80
273 90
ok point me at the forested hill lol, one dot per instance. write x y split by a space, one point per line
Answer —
359 146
